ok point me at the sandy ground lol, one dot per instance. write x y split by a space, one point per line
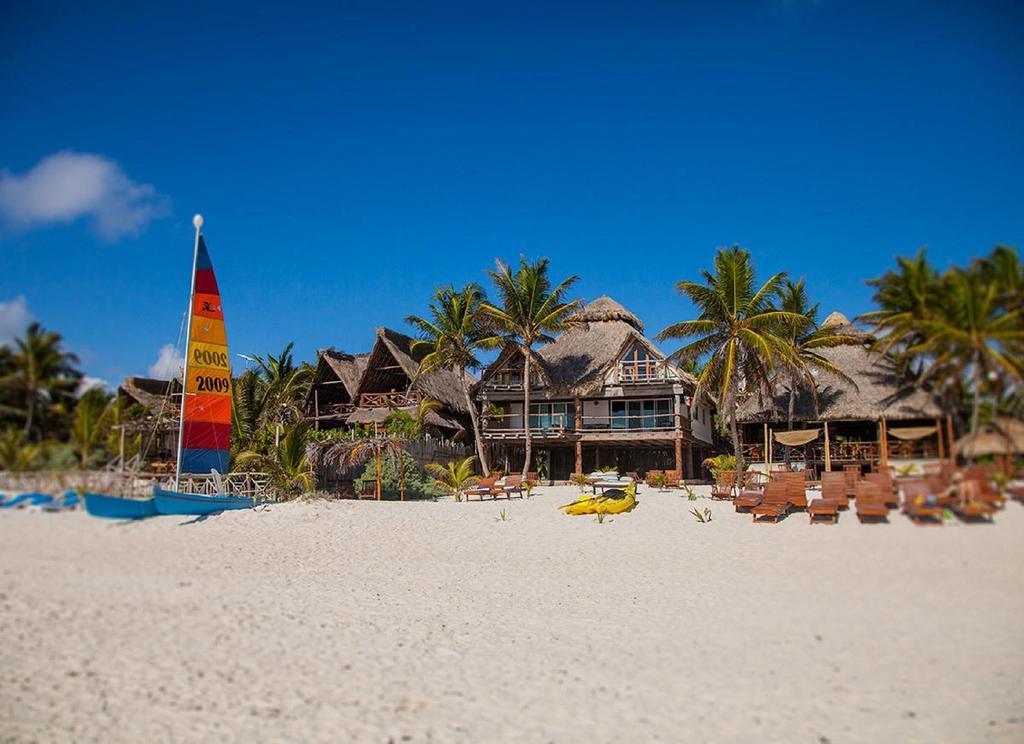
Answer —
441 622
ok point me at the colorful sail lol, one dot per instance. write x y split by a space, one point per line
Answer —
206 420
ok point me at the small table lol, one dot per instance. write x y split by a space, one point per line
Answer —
823 508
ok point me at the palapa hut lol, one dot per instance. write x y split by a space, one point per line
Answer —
334 389
151 408
879 417
603 395
365 389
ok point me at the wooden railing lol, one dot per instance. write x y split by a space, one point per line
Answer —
642 373
390 400
566 424
921 449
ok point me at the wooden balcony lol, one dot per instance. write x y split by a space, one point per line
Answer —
390 400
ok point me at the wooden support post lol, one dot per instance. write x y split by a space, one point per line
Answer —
885 443
828 451
950 438
401 474
379 474
597 458
316 408
770 447
679 455
579 456
689 461
938 434
764 455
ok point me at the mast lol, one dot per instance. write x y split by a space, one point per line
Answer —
197 221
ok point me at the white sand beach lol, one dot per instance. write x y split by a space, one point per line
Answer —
335 621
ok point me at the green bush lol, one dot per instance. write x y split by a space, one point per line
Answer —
418 485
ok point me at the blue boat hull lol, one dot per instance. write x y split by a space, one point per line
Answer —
172 502
113 507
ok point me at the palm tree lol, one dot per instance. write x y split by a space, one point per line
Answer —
805 340
971 335
41 375
404 425
282 386
286 463
739 329
451 338
1003 268
531 311
907 298
89 424
15 454
456 476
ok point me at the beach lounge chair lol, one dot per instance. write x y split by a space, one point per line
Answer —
485 487
987 493
725 485
920 502
774 505
820 510
969 506
852 475
512 486
887 488
795 483
747 500
833 488
870 503
673 478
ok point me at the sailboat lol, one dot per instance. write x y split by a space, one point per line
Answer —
204 435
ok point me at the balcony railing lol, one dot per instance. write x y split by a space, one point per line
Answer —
559 424
390 400
642 373
920 449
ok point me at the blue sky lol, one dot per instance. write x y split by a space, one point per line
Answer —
351 157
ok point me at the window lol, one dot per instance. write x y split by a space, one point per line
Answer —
552 415
640 365
642 414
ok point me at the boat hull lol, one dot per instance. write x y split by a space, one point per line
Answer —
172 502
114 507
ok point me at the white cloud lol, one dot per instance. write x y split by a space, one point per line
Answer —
168 363
90 383
14 318
68 185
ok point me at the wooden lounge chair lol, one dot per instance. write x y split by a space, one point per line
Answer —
725 485
987 493
870 503
532 478
513 486
774 505
795 483
485 487
919 502
747 500
673 477
820 509
969 506
887 488
852 476
833 488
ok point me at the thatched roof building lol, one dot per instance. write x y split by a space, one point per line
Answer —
878 390
158 397
577 363
366 388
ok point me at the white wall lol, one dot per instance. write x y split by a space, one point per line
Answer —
702 422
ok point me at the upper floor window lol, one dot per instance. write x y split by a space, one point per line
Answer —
640 365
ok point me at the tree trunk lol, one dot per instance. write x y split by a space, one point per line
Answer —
792 408
481 451
30 410
737 445
976 402
526 411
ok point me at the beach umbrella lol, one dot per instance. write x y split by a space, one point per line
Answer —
988 440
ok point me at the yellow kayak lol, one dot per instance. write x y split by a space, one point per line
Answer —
611 502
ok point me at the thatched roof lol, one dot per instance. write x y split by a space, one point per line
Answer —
393 347
577 362
438 418
156 396
879 390
348 368
604 309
